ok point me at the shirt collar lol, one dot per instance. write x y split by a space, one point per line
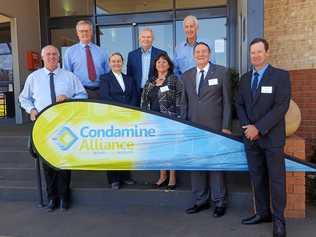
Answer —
84 45
186 43
261 71
205 69
148 51
117 75
48 72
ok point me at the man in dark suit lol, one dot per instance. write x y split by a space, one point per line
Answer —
140 61
207 101
262 102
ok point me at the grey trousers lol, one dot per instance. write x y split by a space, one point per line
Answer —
206 184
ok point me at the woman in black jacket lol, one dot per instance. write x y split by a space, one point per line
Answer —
162 94
118 87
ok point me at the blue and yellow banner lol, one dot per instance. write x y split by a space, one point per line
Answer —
85 135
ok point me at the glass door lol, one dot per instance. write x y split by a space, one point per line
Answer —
213 31
163 37
117 39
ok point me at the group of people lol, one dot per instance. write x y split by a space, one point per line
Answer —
190 87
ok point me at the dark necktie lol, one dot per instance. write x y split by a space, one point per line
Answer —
52 87
201 82
254 84
90 64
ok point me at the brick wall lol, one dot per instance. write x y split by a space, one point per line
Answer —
304 94
290 28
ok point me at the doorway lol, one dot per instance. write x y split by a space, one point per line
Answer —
7 105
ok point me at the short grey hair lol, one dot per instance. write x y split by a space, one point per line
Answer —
191 18
84 22
148 30
49 46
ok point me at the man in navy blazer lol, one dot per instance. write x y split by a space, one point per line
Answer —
262 102
140 61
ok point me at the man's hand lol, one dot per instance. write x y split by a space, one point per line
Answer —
226 131
33 114
251 132
61 98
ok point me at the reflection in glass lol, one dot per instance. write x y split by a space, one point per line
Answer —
6 65
213 31
163 38
117 39
183 4
64 37
128 6
71 7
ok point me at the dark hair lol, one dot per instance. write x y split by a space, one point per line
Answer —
165 57
117 54
260 40
201 43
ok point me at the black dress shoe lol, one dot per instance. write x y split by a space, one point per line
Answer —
163 183
171 186
64 205
197 208
52 205
256 219
116 185
219 211
279 229
129 181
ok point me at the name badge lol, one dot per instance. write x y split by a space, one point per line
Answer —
213 82
164 89
266 89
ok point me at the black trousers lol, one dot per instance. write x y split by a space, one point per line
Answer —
118 176
267 173
57 183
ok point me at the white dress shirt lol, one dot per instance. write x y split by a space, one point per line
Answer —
36 91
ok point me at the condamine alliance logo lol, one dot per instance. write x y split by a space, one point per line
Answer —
64 138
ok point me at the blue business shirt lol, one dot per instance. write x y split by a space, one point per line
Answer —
36 91
146 56
75 60
183 56
260 72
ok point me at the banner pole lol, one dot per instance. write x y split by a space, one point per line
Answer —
39 183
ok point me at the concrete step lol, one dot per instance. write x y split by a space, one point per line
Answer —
17 159
13 143
138 195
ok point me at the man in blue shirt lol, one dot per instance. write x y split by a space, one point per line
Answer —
183 58
42 88
140 61
86 60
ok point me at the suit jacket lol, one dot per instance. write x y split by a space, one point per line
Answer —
266 110
134 65
212 108
169 101
111 90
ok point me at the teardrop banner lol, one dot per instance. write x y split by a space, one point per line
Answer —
91 135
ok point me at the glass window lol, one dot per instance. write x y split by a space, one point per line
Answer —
213 31
163 38
63 38
127 6
71 7
6 70
117 39
183 4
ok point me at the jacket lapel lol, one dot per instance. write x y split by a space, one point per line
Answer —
116 83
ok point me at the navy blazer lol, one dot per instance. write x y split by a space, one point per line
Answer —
110 89
134 65
268 108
